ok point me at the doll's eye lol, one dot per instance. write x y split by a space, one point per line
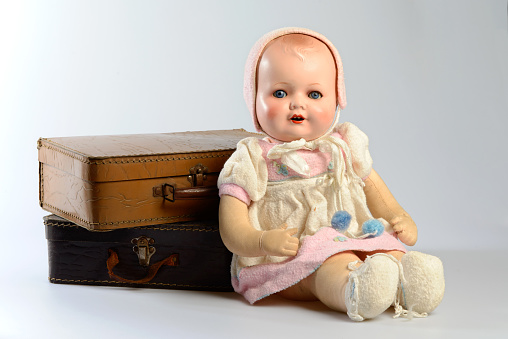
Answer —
279 94
315 95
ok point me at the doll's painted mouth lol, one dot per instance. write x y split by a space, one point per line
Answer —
297 119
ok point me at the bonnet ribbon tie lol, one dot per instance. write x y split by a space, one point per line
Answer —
342 163
287 153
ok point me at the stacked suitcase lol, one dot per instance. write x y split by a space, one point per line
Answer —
136 210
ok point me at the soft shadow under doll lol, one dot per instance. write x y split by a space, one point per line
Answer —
302 210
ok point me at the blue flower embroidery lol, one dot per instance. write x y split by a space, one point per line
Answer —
330 166
281 168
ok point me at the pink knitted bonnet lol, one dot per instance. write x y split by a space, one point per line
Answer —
249 80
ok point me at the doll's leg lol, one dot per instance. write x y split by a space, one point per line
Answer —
343 283
329 281
299 292
363 255
316 286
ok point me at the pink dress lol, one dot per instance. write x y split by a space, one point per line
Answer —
301 184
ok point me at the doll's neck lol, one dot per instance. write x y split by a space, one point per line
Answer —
272 140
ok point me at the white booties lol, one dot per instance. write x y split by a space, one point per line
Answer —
372 287
423 286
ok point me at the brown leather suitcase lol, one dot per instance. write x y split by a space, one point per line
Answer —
111 182
183 255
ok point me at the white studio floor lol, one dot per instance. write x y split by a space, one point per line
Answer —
475 306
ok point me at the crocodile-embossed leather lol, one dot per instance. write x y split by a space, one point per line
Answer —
107 182
79 256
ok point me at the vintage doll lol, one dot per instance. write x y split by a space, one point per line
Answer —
280 195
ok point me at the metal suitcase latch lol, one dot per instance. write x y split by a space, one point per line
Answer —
197 175
143 249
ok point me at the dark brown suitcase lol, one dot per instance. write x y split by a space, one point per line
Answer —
121 181
183 255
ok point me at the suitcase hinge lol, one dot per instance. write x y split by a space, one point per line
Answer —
197 175
143 249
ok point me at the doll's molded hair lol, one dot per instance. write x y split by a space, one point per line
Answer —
300 45
249 88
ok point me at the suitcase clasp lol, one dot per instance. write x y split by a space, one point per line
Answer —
197 175
143 249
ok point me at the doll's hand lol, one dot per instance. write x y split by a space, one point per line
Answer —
280 242
405 228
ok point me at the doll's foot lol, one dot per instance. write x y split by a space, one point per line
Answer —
372 287
423 286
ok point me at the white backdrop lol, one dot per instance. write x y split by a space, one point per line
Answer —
426 80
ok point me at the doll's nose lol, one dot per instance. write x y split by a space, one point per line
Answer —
296 102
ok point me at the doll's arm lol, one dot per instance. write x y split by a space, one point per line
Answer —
382 204
242 239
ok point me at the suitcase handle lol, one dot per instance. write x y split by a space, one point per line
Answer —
171 192
113 260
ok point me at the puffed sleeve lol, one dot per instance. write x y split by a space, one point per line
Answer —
359 145
245 171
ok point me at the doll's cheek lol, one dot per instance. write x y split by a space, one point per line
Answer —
267 121
326 114
271 114
268 110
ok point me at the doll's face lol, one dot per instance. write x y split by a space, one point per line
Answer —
296 98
